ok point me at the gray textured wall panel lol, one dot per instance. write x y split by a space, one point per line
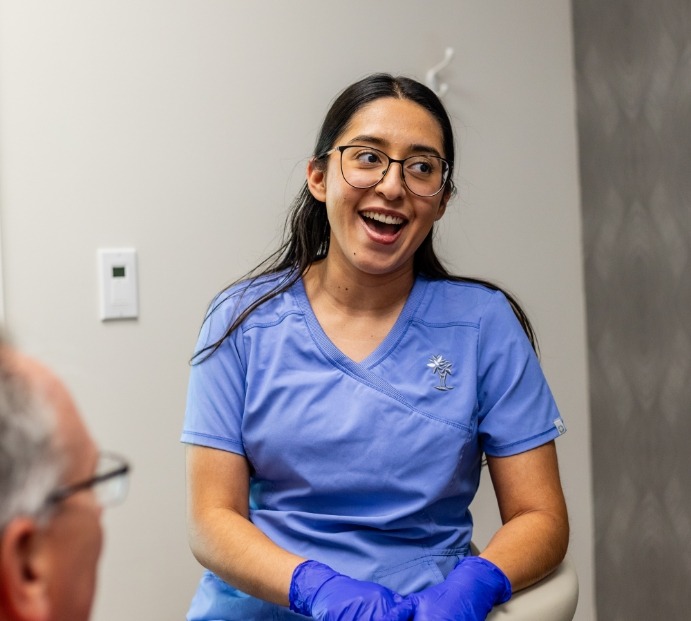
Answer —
633 71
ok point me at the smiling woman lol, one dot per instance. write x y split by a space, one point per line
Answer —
343 394
411 134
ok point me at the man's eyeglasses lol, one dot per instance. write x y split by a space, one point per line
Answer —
109 482
364 167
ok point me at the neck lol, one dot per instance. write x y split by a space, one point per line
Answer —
357 292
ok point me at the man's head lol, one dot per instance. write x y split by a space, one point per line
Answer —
50 542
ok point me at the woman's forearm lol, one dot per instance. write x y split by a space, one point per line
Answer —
239 553
535 532
221 536
529 547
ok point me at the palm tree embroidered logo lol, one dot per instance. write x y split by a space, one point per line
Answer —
442 368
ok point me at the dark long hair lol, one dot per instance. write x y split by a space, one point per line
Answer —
306 233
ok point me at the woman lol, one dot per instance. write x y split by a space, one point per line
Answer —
341 399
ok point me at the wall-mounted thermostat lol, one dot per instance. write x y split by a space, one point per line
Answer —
118 283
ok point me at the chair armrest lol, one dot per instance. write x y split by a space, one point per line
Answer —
554 598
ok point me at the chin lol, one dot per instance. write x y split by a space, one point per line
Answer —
379 268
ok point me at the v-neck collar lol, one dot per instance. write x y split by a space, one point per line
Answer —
388 343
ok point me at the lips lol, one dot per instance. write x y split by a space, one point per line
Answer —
382 225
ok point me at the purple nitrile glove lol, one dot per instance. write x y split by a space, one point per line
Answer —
469 593
318 591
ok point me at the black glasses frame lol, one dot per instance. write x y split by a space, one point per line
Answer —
342 148
63 493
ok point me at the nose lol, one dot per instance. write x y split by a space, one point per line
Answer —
392 185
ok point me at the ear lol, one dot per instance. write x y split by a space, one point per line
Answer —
24 571
441 210
316 179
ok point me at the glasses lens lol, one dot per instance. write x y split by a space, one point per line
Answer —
112 480
425 174
364 167
109 482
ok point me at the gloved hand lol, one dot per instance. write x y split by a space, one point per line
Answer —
469 592
318 591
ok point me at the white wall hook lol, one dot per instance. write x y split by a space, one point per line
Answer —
432 77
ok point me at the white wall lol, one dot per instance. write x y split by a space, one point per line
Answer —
182 128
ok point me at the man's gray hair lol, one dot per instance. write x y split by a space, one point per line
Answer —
30 467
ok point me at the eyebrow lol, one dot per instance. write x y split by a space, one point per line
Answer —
380 142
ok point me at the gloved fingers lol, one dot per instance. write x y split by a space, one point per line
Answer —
320 592
403 611
346 599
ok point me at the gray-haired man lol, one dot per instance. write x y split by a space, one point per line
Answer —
54 483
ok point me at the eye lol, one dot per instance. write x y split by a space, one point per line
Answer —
365 157
422 166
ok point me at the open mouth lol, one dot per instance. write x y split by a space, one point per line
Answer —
383 224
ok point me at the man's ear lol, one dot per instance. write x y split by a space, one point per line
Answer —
24 571
316 179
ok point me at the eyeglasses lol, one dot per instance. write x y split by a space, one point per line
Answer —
110 482
364 167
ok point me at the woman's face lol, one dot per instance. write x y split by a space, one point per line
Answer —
376 231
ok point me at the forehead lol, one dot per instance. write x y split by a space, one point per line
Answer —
395 123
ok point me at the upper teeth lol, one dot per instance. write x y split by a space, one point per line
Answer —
380 217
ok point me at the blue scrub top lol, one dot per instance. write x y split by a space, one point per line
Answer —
368 467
